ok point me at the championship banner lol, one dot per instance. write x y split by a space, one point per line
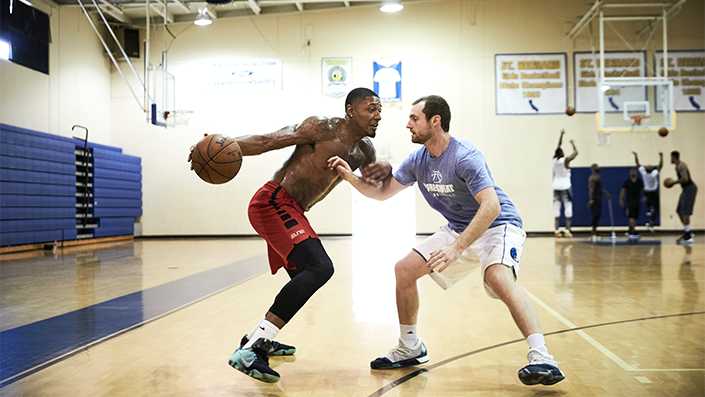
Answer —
586 75
245 73
387 80
530 83
337 76
687 71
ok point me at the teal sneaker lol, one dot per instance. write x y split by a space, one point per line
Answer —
276 348
254 362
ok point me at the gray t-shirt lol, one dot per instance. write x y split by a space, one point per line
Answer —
450 182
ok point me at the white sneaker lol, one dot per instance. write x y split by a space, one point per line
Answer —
542 369
567 233
402 356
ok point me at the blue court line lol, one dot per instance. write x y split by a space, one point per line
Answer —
31 345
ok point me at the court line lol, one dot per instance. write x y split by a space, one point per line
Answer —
601 347
428 368
157 316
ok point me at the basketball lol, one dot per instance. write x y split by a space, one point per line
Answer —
663 131
570 111
668 182
216 159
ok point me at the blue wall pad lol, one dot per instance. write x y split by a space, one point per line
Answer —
117 193
10 213
37 237
44 141
37 189
51 167
113 174
44 178
612 180
117 203
28 152
117 184
114 231
117 165
32 225
36 201
100 153
117 212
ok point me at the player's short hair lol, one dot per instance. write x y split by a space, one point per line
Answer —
558 154
676 154
358 94
436 105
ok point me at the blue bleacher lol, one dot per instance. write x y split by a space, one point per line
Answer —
40 190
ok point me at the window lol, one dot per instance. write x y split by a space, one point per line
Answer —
26 32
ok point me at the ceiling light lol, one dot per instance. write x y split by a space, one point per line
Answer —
203 19
391 6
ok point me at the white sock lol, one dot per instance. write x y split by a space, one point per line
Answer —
686 228
264 329
408 334
252 333
537 342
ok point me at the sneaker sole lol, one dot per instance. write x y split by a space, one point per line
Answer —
253 373
545 378
401 364
283 352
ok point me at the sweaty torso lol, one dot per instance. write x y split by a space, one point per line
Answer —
305 175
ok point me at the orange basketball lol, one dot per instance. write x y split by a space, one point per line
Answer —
570 111
216 159
668 182
663 131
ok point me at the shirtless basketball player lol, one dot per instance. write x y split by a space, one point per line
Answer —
276 212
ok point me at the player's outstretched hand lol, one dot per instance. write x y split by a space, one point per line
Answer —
442 257
341 166
191 151
376 172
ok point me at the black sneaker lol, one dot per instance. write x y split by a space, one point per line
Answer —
541 369
276 348
254 362
685 239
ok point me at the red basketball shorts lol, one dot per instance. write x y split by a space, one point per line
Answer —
279 219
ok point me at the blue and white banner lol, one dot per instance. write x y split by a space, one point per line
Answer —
687 71
244 73
387 80
337 76
586 75
531 83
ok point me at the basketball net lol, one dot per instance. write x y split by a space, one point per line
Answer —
637 120
181 117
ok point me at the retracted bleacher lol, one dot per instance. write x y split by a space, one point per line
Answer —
54 188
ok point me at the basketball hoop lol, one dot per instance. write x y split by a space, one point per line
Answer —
636 120
181 117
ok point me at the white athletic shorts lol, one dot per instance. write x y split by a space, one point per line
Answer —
500 244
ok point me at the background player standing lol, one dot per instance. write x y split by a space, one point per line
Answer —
562 191
631 189
595 192
649 174
686 201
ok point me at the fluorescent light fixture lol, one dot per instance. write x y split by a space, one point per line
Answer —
203 19
391 6
604 88
4 50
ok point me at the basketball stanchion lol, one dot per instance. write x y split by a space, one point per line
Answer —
609 205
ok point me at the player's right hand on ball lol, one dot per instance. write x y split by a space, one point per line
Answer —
190 151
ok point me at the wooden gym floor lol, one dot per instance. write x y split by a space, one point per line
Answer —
161 318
